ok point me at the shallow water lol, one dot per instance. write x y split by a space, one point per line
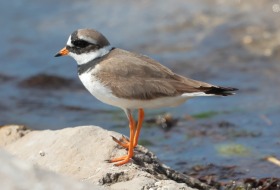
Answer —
233 43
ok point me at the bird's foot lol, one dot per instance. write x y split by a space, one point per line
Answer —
121 160
124 142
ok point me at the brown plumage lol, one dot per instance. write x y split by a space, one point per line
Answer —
150 79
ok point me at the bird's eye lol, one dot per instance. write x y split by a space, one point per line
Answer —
80 43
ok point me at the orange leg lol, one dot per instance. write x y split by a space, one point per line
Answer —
124 159
139 126
124 142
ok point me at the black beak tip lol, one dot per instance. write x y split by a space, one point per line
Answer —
57 55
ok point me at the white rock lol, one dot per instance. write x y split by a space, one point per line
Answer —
16 174
80 153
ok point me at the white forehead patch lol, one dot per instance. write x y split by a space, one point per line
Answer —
69 43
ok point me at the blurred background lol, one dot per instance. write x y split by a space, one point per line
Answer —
229 43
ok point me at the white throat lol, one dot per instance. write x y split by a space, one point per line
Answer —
86 57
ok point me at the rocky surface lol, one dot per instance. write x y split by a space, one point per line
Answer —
81 152
11 133
16 174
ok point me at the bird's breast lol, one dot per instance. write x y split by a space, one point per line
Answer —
95 87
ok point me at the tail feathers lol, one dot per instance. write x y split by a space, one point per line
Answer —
218 90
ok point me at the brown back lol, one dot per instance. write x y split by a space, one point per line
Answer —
134 76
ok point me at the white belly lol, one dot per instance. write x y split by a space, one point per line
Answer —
105 95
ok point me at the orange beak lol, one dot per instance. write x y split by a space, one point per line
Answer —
62 52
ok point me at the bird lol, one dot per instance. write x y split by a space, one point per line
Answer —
130 81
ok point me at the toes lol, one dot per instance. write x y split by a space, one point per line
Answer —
108 161
114 139
122 142
122 162
125 139
119 159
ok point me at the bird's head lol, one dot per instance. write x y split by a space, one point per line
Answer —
85 45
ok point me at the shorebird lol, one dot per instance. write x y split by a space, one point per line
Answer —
130 81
